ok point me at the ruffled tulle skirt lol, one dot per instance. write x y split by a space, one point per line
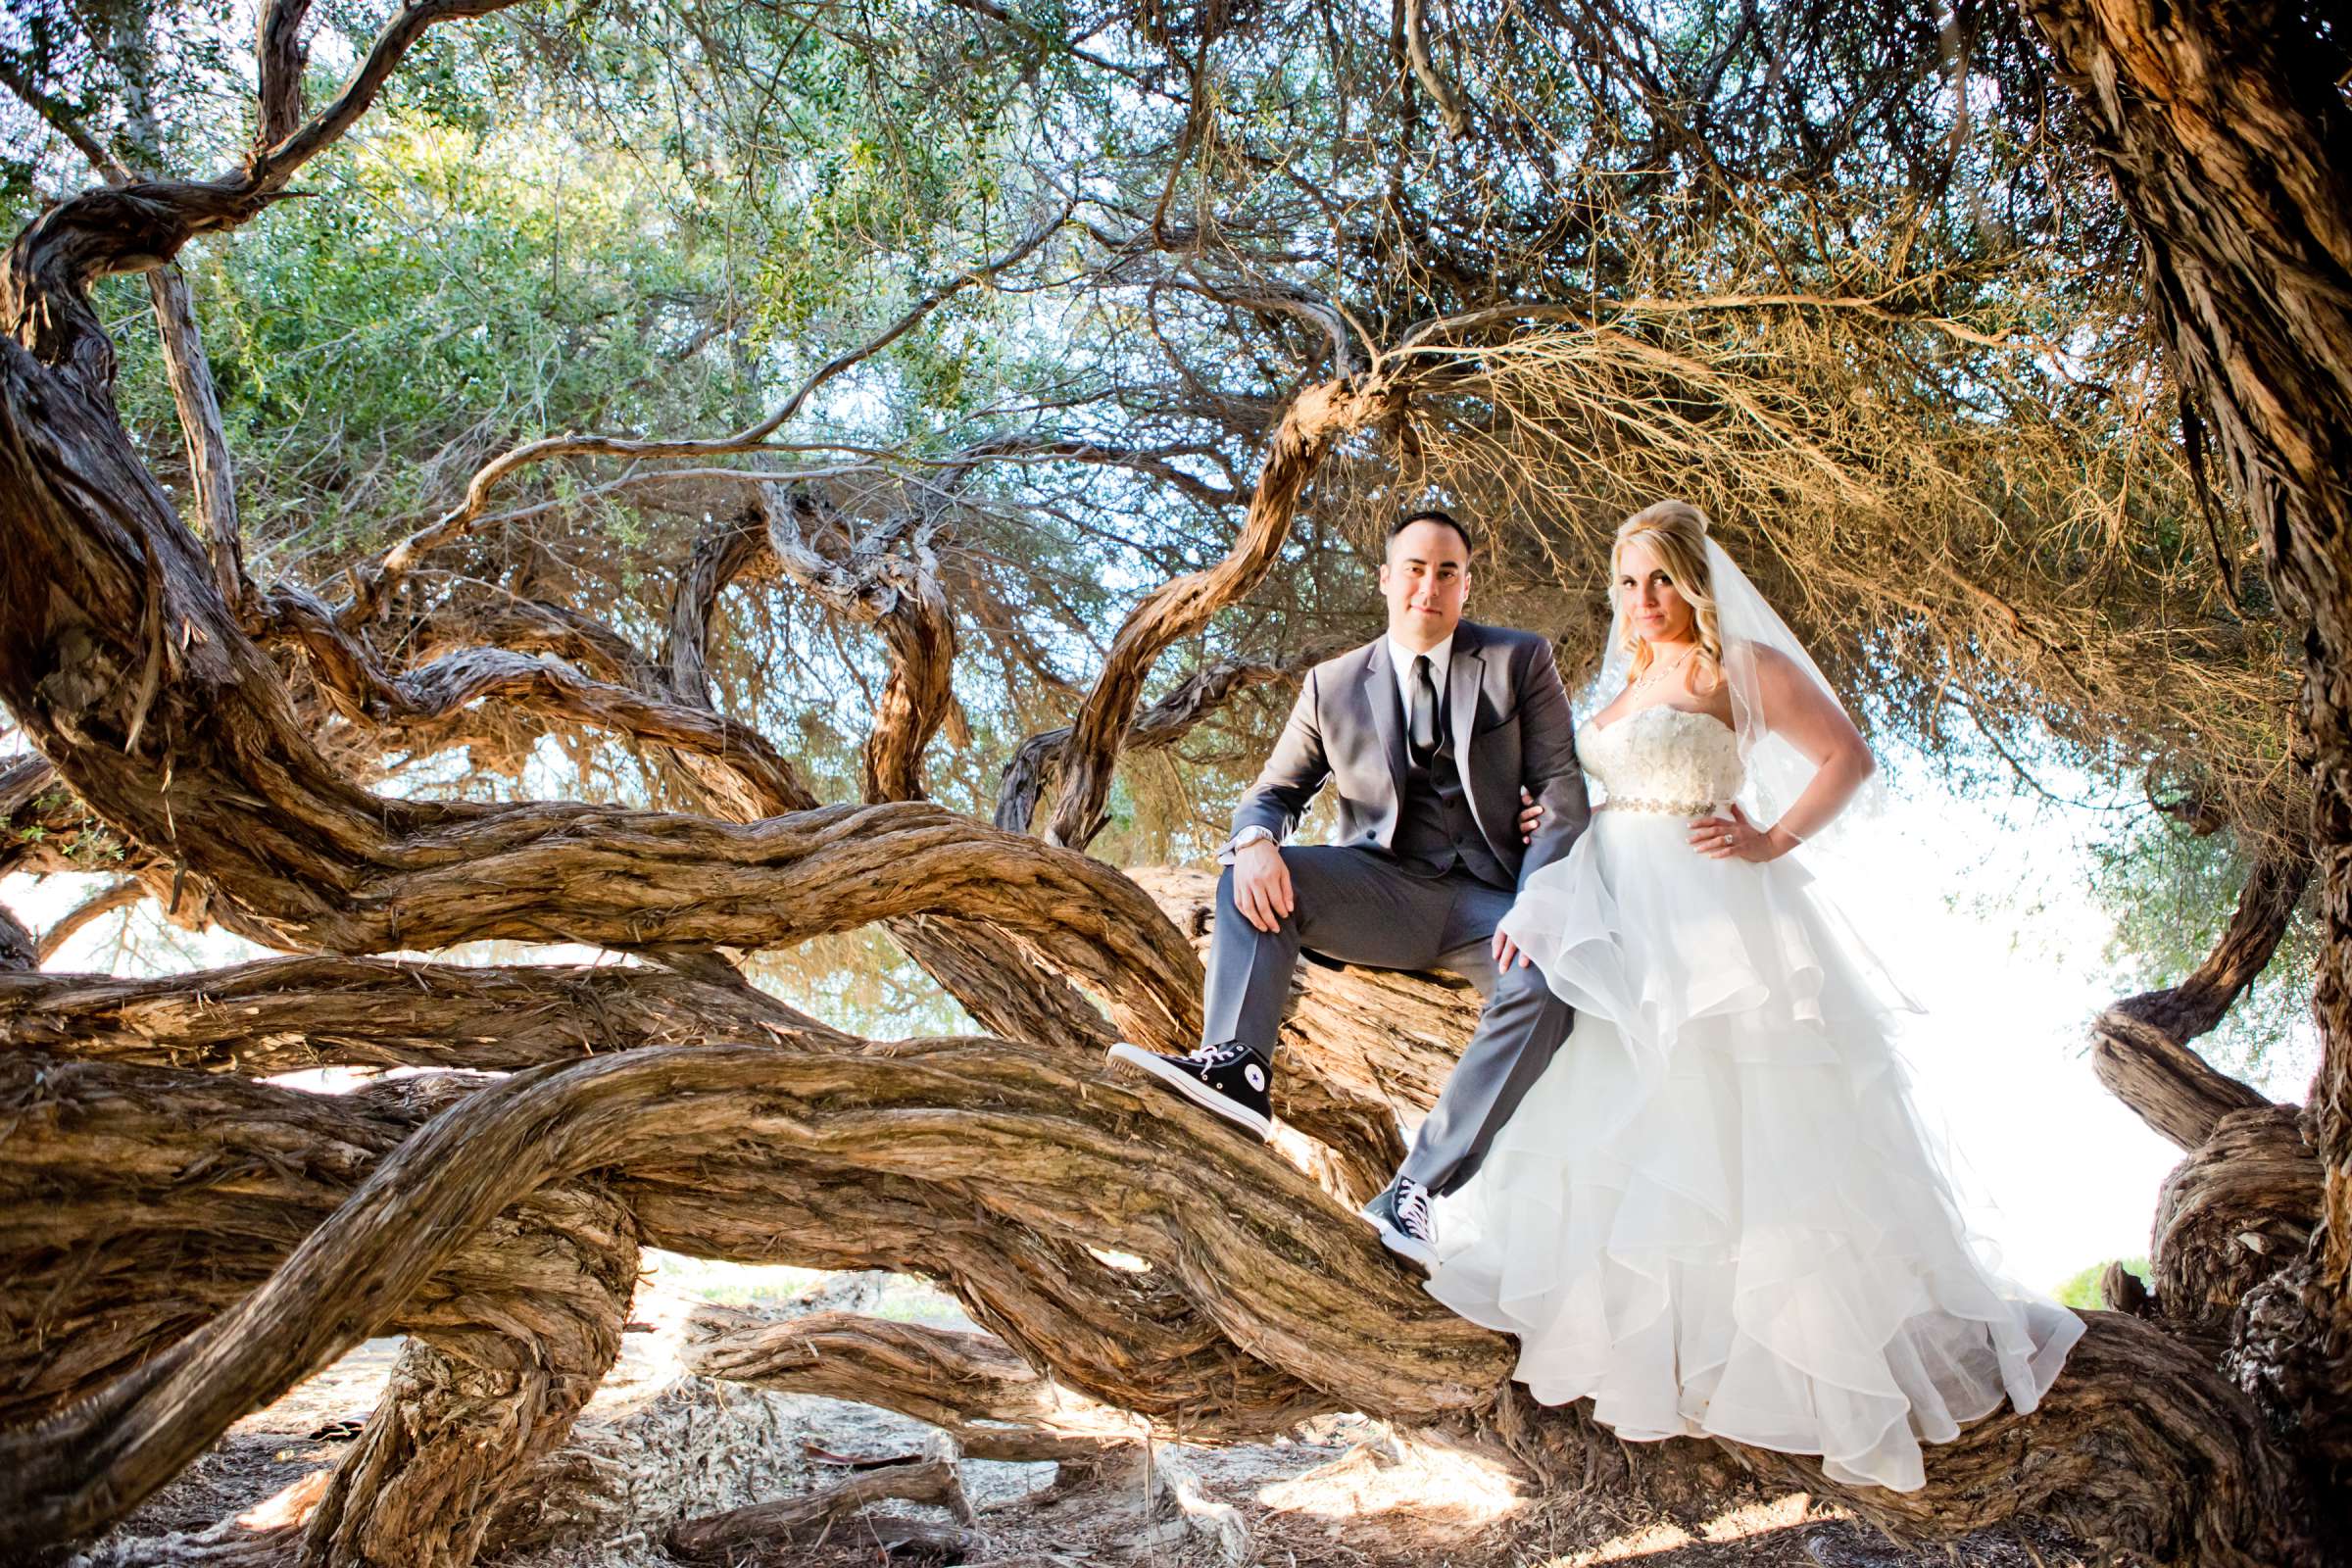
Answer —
1718 1212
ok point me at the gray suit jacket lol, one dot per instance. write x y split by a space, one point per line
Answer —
1509 716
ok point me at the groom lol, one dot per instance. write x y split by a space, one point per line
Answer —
1431 733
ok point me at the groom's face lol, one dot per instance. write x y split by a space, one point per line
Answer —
1425 579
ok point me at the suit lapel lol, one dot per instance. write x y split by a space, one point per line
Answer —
1380 695
1465 673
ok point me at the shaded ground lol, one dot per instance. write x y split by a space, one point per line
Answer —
656 1447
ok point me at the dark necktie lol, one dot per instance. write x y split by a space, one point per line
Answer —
1424 730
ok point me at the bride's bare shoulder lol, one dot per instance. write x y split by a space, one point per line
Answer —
1765 661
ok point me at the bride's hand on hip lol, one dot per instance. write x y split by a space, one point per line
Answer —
1735 838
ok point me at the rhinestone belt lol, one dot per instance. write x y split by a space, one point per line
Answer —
1643 803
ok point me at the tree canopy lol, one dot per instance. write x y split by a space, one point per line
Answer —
1852 289
699 480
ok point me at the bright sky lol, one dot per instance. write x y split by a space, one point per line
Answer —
2056 1171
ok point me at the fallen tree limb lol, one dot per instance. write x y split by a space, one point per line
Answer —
728 1539
970 1386
988 1400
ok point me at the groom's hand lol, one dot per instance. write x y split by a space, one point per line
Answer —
1262 885
1531 812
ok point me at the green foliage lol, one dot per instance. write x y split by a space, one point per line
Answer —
2170 894
443 295
861 981
661 221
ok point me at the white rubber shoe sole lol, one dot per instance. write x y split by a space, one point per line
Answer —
1152 1065
1395 1241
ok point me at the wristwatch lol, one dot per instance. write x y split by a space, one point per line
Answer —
1242 841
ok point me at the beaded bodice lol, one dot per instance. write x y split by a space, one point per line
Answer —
1663 758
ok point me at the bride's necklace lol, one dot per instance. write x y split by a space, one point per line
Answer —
1657 672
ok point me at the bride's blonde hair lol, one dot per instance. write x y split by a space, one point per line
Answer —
1678 531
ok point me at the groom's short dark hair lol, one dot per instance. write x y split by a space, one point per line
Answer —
1432 514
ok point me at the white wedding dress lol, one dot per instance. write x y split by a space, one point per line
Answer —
1717 1213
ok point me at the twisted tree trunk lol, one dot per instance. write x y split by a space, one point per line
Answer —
2230 142
472 1407
963 1160
189 1243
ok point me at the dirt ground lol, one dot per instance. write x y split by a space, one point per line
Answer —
656 1447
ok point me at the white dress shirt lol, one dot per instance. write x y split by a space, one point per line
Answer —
1439 658
1401 658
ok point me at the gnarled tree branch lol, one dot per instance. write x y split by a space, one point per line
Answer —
280 1015
891 582
79 1469
1451 111
1317 419
374 583
106 900
945 1136
1037 763
2247 241
2140 1047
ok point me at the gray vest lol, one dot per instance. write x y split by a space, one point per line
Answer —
1435 830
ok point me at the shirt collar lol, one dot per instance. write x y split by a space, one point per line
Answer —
1440 658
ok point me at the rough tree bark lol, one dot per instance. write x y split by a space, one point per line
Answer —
1267 1291
1317 419
472 1407
497 1220
2242 1205
2230 142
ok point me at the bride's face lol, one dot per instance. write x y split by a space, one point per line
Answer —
1654 607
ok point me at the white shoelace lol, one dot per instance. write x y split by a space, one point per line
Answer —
1412 1209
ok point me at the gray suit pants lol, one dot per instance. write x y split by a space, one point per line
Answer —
1366 907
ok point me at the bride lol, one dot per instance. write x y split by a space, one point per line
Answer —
1717 1213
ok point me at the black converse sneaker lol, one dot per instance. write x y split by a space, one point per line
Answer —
1228 1079
1400 1213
